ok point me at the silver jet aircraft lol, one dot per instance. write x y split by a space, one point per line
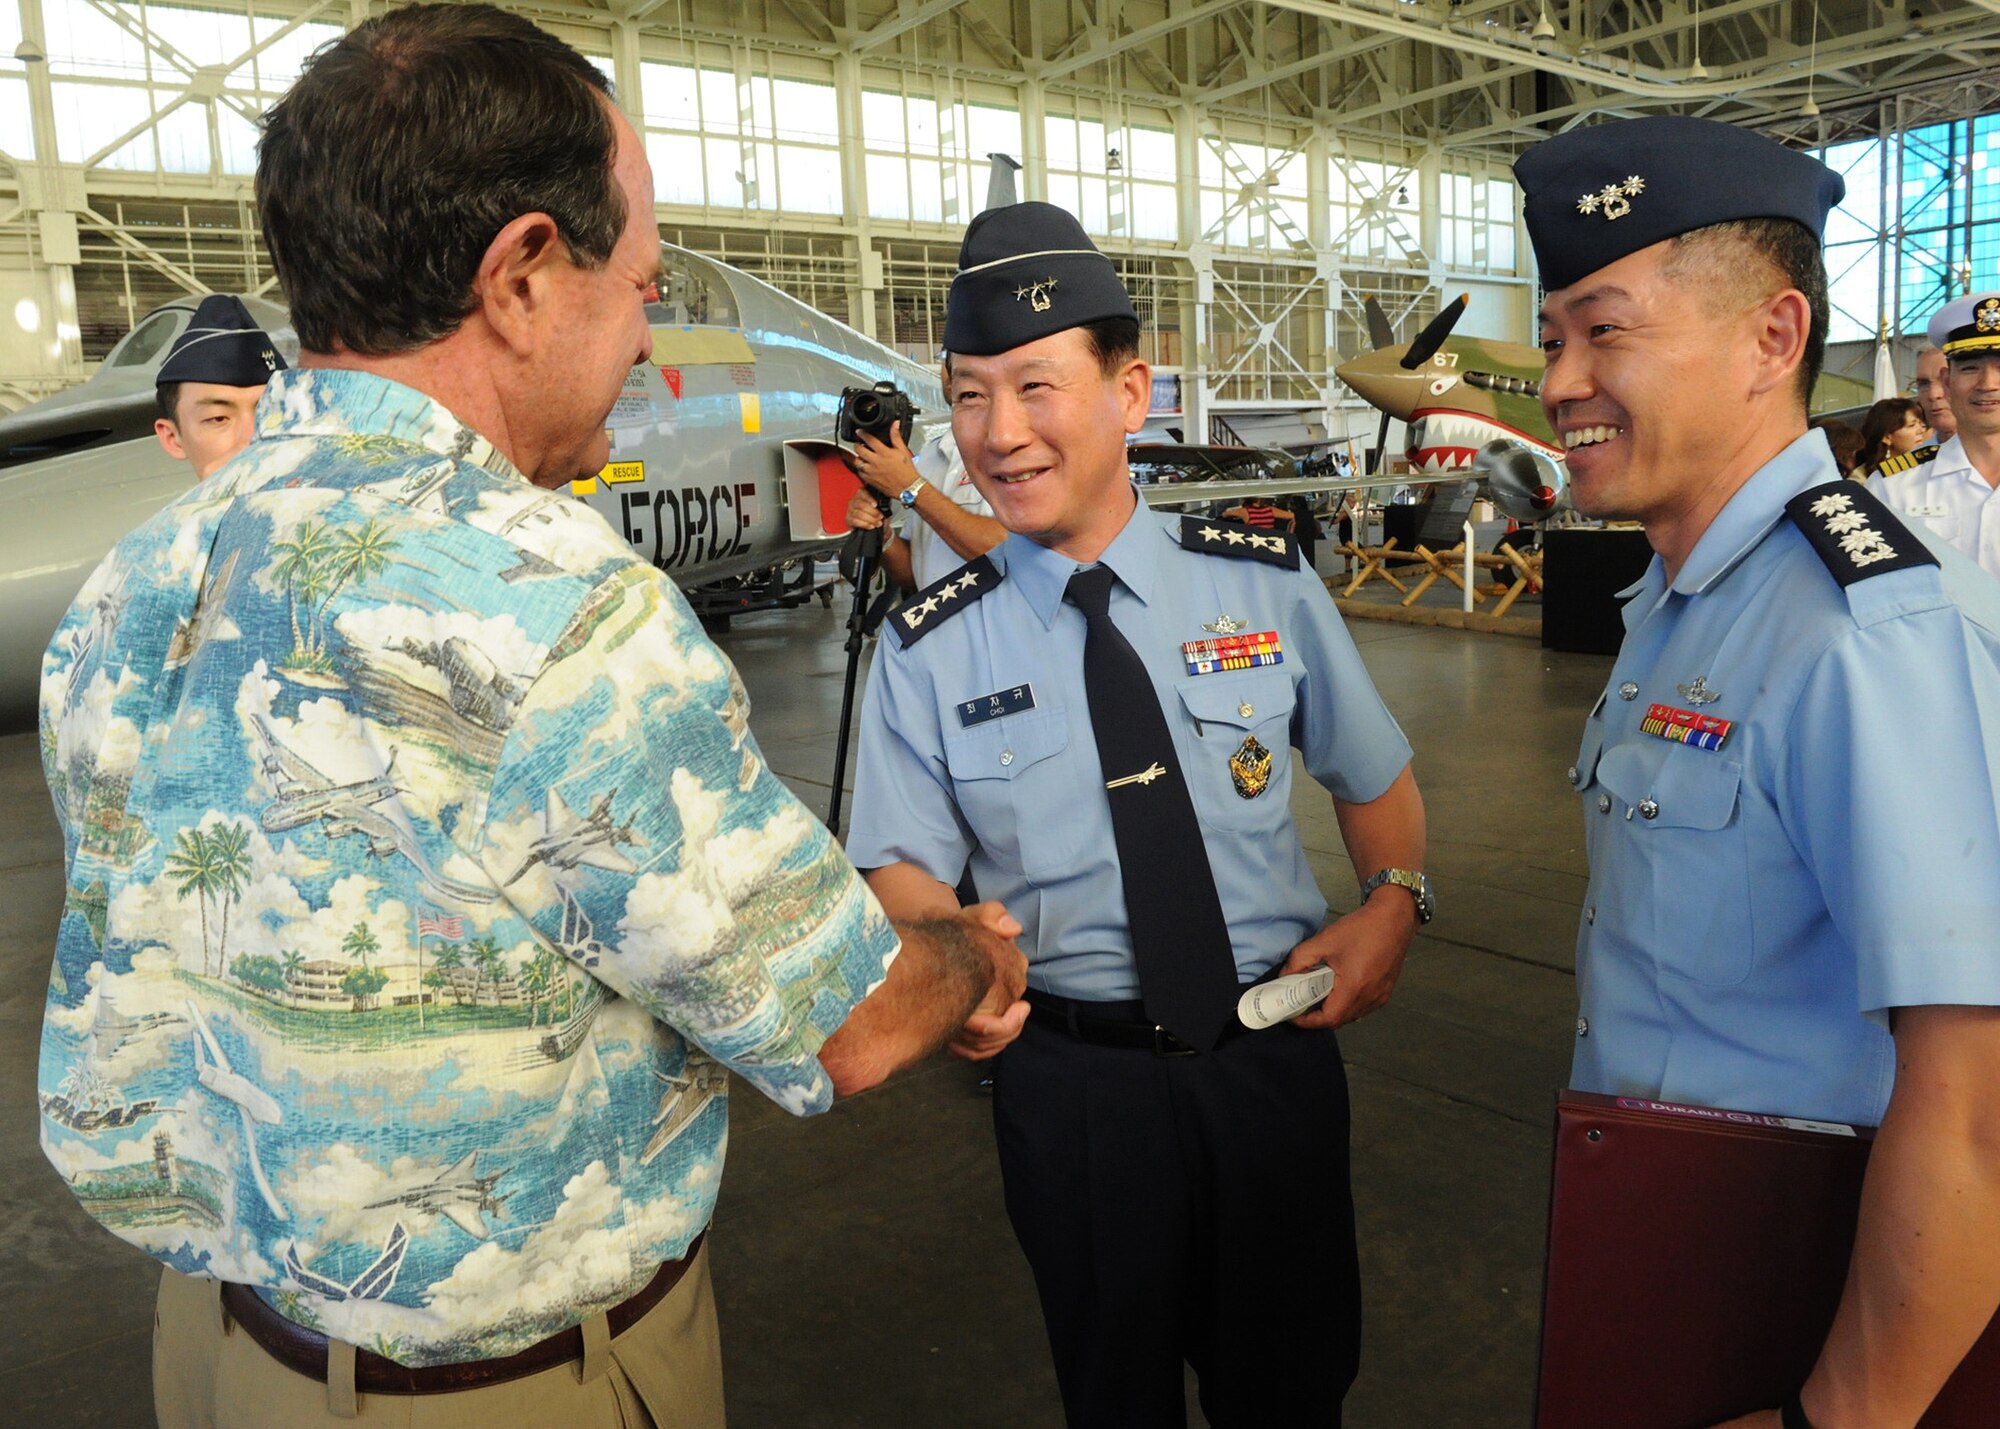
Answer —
696 480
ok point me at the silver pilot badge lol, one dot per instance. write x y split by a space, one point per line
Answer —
1697 693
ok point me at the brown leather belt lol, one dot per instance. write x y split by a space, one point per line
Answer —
303 1351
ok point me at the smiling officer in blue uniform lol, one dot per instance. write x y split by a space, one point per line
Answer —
1099 716
1788 782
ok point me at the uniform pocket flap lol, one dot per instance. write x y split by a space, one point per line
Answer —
1694 789
1003 748
1245 701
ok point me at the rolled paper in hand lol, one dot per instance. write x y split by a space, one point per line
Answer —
1284 998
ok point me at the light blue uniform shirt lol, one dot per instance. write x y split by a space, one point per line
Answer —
1023 795
1838 856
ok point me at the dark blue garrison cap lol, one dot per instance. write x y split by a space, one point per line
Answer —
222 345
1025 271
1596 194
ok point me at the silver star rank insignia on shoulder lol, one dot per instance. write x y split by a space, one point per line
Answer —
1233 538
935 603
1854 533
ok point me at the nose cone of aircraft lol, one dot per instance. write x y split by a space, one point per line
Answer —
1381 381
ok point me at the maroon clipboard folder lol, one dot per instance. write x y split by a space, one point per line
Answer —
1696 1258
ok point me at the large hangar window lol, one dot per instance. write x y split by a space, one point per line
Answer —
761 142
1115 175
1920 225
1476 222
1376 211
120 89
926 158
1252 195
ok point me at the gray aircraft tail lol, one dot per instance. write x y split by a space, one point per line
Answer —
1000 181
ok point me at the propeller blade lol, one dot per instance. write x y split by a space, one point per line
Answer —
1380 334
1432 338
1381 446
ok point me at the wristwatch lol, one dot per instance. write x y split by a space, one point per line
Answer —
908 495
1419 886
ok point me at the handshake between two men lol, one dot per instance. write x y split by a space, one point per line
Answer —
958 979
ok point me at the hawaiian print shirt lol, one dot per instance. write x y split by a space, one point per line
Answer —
423 881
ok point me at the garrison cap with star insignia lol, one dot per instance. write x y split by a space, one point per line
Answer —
1026 271
939 601
1595 194
1854 533
223 345
1233 538
1966 325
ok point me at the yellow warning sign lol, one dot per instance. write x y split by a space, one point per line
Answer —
753 412
621 471
586 487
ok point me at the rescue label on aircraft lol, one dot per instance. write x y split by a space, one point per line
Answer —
622 471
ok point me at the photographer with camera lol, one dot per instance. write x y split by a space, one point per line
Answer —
948 521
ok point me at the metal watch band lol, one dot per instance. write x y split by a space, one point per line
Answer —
908 495
1418 885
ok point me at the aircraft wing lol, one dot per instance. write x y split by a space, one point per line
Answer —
81 417
1178 493
281 763
466 1217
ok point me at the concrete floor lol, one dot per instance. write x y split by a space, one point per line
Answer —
899 1298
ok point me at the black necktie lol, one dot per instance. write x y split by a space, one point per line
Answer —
1180 940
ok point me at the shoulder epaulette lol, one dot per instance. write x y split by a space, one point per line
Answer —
1855 534
939 601
1233 538
1889 466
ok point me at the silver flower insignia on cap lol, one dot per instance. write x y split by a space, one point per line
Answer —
1037 294
1613 200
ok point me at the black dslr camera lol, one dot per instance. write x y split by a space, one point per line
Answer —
873 410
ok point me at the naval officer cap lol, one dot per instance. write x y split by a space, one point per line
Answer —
1967 325
1025 271
223 345
1596 194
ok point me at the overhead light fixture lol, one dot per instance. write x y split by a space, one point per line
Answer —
30 53
1697 70
1543 29
1809 110
1113 160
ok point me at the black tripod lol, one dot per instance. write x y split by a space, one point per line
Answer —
860 557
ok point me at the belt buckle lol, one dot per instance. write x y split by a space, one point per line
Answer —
1165 1044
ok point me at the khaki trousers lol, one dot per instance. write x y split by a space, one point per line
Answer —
665 1372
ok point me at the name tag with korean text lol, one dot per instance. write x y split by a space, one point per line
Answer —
996 705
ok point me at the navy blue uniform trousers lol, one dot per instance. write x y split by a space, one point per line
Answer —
1186 1209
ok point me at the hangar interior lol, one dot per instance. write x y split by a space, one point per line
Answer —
1256 168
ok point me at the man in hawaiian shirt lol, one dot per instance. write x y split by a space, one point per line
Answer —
424 880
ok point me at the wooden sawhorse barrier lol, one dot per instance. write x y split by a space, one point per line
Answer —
1526 571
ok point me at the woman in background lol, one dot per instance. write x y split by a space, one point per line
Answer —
1893 426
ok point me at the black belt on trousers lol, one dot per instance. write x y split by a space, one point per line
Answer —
303 1351
1116 1024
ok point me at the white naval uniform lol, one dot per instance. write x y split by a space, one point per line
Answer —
1948 496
